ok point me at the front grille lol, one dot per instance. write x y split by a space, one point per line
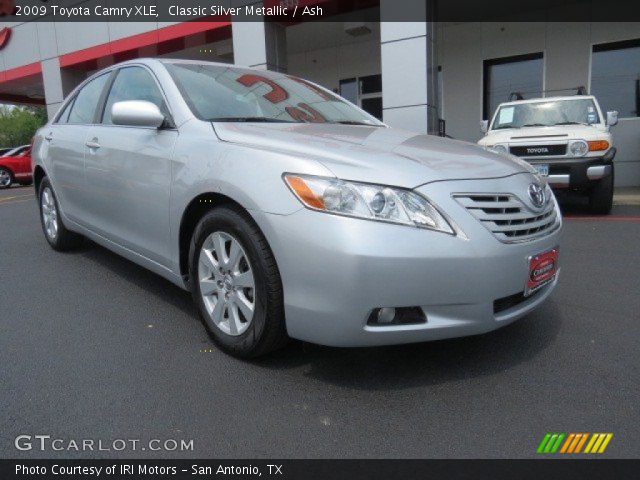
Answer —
538 150
508 218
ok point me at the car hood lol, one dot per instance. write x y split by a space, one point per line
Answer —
375 154
531 135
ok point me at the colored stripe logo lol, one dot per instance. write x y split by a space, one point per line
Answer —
573 443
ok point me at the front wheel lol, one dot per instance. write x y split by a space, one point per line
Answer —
54 230
601 196
236 284
6 178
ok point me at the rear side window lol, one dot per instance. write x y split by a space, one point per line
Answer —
86 102
133 83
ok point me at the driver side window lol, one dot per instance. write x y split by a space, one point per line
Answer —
133 83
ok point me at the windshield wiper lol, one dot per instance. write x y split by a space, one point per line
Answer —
504 126
571 123
247 119
535 125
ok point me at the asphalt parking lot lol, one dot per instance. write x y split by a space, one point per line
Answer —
93 346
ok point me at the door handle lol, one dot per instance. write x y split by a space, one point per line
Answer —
92 144
49 137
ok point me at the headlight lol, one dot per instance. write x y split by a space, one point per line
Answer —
367 201
498 148
578 148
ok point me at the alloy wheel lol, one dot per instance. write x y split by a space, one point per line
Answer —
49 213
227 284
5 178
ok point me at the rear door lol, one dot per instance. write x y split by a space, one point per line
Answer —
65 148
128 171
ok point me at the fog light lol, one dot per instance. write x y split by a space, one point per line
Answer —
387 316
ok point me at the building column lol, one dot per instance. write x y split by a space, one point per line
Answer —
58 83
409 69
259 44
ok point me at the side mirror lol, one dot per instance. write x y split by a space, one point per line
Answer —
136 113
484 126
612 118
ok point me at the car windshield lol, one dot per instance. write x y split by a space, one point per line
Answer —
219 93
543 114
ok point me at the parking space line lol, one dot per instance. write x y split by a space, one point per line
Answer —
4 199
15 201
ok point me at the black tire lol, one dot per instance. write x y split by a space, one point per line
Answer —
267 330
6 171
601 196
64 240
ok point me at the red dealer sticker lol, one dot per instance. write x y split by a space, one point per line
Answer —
542 270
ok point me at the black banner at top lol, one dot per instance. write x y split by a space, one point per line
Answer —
295 11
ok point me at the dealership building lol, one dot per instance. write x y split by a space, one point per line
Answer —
423 75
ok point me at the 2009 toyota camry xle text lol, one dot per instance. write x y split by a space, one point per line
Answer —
289 212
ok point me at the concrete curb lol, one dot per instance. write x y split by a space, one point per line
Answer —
626 196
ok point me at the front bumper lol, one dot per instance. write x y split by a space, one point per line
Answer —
336 270
575 172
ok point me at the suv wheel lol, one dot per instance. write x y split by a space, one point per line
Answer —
601 196
236 284
54 230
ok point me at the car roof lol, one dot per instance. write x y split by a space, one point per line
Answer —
549 99
199 62
15 150
154 62
160 61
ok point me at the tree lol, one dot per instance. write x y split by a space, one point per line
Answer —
19 124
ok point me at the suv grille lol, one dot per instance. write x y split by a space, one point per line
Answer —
538 150
508 218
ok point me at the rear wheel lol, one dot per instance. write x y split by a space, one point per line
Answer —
601 196
54 230
236 284
6 178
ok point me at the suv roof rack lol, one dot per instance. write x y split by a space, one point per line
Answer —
581 90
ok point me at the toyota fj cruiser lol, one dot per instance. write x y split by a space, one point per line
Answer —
566 139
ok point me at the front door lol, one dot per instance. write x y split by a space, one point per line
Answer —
128 171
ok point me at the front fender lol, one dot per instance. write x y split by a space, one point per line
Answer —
250 176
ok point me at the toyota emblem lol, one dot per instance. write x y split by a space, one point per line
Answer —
537 195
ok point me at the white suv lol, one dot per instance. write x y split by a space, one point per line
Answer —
566 139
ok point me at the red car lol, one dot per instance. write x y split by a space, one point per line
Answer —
15 166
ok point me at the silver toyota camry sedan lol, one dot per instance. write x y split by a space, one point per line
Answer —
289 212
